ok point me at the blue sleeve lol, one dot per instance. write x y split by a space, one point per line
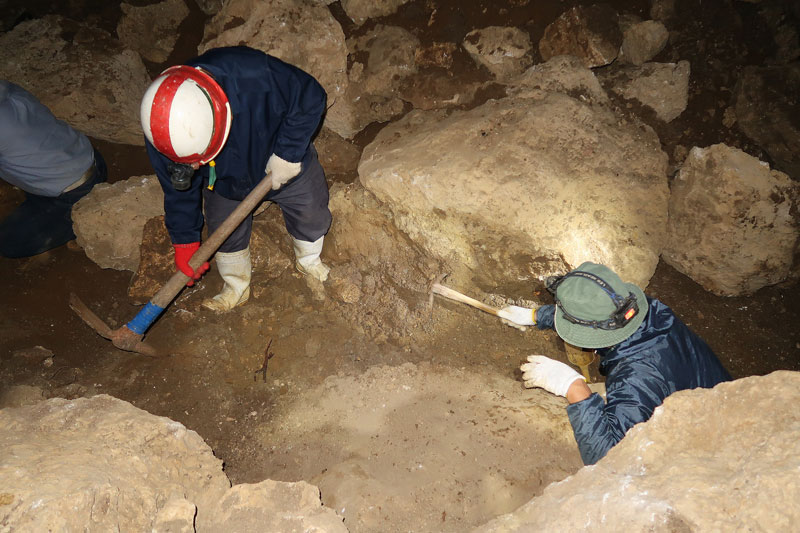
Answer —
305 102
183 213
545 316
632 395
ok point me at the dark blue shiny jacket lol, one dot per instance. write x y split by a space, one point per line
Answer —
661 357
276 108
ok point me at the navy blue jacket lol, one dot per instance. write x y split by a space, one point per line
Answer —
276 108
661 357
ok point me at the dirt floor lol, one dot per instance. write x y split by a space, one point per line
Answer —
425 431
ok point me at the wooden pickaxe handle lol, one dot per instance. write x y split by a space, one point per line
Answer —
451 294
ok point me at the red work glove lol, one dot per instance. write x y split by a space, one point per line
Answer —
184 252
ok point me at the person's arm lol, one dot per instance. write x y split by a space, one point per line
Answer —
183 214
632 393
304 101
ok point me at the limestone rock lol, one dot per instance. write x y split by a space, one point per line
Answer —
251 508
372 93
517 187
562 74
150 30
590 33
766 111
84 75
734 225
361 10
99 464
108 221
724 459
300 32
643 41
663 87
504 51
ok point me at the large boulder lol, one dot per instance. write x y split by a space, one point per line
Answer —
300 32
519 186
101 464
642 41
108 221
562 74
724 459
150 30
84 75
361 10
588 32
504 51
766 111
388 54
734 224
663 87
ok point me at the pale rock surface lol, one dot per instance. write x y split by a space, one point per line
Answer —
372 93
588 32
101 464
663 87
724 459
108 221
251 508
562 74
504 51
643 41
355 433
515 188
300 32
361 10
84 75
766 111
150 30
734 224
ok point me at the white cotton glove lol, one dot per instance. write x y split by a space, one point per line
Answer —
282 170
521 316
551 375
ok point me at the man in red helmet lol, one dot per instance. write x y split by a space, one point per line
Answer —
213 128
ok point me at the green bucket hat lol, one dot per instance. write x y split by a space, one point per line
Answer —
595 308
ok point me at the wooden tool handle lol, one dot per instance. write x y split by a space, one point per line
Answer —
450 294
178 280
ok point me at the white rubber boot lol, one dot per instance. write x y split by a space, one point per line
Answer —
235 269
307 258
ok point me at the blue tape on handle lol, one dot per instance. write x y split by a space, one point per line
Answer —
146 316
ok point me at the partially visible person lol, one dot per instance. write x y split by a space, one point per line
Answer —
52 163
214 127
646 354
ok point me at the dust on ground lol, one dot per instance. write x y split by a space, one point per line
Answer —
438 415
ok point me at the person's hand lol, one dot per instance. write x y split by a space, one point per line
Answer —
282 170
548 374
518 316
183 253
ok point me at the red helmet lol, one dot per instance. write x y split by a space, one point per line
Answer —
186 115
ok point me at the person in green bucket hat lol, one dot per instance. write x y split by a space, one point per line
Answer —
646 353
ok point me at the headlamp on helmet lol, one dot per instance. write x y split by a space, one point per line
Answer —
625 308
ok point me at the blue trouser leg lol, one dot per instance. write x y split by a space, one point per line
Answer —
42 223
